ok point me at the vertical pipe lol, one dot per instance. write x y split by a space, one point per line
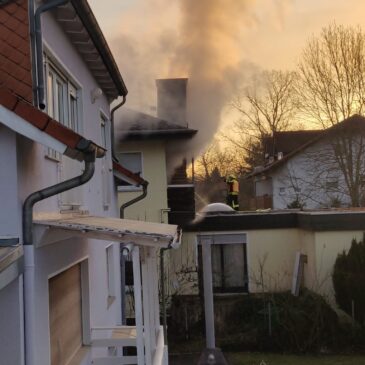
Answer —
208 292
138 304
29 305
163 304
122 284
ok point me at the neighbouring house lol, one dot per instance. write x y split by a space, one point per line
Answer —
313 169
256 252
60 232
152 147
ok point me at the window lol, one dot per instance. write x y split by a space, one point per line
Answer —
110 274
229 268
229 263
133 162
62 101
282 191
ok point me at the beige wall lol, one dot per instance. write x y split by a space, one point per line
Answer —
154 171
183 277
328 245
271 258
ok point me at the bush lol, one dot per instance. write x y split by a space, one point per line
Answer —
298 324
348 280
303 324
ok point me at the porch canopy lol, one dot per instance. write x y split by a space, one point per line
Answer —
104 228
145 237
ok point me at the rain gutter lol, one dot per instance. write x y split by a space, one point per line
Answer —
114 157
32 199
39 46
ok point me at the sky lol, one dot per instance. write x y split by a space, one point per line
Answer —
274 39
217 43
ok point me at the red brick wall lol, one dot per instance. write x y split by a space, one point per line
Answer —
15 61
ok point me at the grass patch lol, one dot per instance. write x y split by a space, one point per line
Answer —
274 359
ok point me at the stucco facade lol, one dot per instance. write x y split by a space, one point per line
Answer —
153 207
271 252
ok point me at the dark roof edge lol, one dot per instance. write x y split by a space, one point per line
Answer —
324 133
145 134
87 17
331 221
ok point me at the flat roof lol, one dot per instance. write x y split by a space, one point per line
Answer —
315 220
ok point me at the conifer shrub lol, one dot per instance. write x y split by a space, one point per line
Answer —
349 280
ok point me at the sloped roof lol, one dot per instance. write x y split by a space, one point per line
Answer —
134 125
79 23
288 141
75 143
355 123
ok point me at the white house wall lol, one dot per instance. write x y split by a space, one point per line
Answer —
297 173
32 171
11 323
9 218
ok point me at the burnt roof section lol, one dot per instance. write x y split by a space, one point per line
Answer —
288 141
79 23
75 143
353 124
124 174
133 125
326 220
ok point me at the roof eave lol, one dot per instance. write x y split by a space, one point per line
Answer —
89 21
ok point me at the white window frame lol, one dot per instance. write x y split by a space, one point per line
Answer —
132 187
71 90
110 274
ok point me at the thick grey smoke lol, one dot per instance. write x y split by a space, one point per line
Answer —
197 39
209 54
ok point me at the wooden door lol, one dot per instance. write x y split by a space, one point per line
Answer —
65 315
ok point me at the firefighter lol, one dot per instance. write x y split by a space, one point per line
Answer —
233 190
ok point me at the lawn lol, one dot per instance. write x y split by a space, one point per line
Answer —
271 359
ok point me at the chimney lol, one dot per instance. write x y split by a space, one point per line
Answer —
171 100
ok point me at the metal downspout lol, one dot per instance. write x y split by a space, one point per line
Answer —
39 46
114 157
61 187
29 274
122 257
135 200
162 278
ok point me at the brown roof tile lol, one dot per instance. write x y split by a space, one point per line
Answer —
43 122
119 168
31 114
62 134
15 63
7 99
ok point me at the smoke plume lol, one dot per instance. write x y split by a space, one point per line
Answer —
197 39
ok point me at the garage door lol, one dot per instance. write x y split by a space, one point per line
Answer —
65 315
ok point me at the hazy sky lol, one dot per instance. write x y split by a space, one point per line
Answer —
199 38
274 39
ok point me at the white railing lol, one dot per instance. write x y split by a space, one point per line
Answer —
160 357
114 338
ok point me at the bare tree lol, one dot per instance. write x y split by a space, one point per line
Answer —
267 106
332 89
332 75
218 159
